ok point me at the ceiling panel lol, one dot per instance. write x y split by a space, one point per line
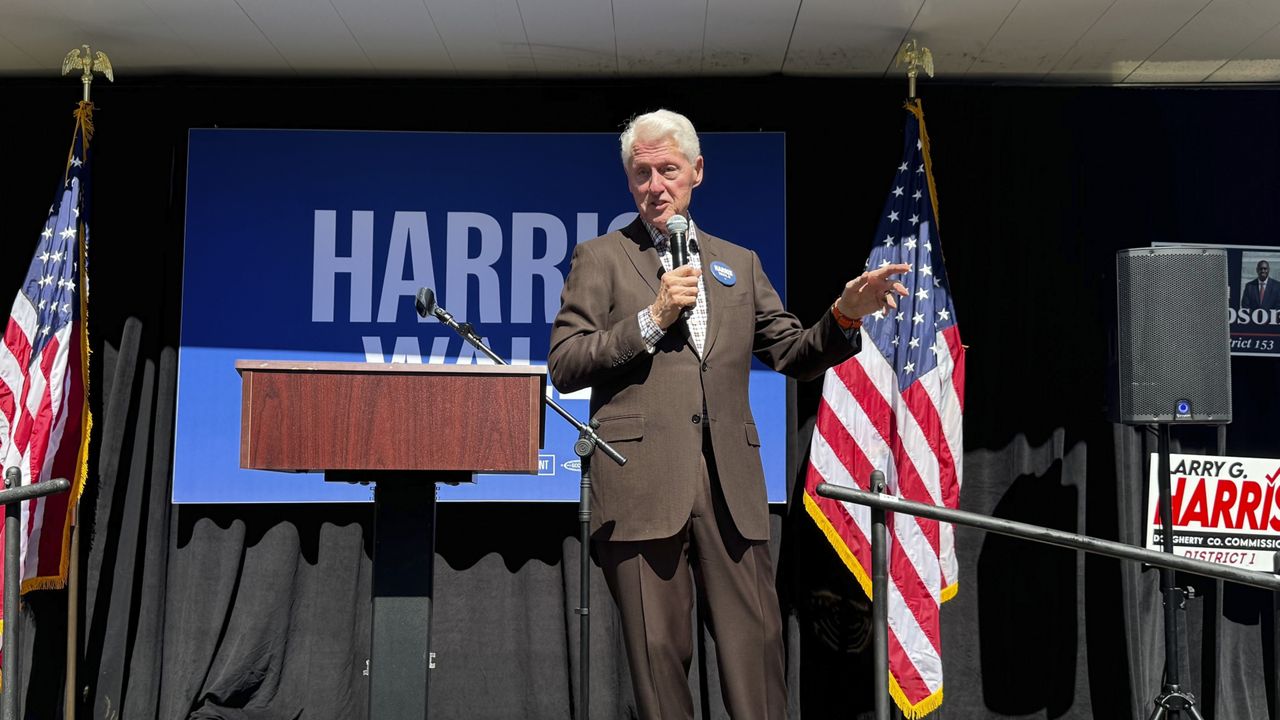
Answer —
570 37
956 32
43 33
1262 70
830 39
1148 41
219 35
130 33
659 37
310 34
484 37
14 59
1259 62
1215 36
397 36
39 33
747 36
1035 37
1126 35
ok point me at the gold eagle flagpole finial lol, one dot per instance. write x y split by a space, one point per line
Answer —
89 63
915 58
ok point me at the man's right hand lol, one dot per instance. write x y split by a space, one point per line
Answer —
679 290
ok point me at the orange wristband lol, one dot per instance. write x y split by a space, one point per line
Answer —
845 323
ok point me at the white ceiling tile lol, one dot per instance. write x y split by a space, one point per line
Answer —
659 37
1211 39
310 34
220 36
14 59
747 36
397 36
570 37
484 37
1035 37
1174 71
1259 62
1126 35
1039 40
40 31
837 37
956 32
1247 71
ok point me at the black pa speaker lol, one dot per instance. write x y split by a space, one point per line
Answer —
1173 340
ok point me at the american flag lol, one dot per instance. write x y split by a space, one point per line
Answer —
44 372
896 407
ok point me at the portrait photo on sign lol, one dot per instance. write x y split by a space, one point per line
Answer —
1259 288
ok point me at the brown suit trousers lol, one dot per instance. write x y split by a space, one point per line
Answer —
652 583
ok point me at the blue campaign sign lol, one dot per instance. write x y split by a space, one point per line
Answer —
311 245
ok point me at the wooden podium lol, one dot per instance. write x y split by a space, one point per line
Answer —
404 428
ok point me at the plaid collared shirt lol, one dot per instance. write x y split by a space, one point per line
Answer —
697 320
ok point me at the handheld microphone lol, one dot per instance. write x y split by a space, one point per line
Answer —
677 227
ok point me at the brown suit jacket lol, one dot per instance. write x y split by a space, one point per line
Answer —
646 403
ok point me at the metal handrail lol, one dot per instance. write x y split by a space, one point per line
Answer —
880 503
14 493
1050 536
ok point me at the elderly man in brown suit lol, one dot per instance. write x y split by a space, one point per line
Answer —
669 389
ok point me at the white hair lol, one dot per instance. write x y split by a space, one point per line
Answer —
657 126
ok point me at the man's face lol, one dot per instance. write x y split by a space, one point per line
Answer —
1264 269
661 180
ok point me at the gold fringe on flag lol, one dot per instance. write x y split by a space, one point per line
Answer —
84 124
917 109
925 706
84 114
920 709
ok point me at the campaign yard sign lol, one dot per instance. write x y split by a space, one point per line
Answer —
311 245
1226 510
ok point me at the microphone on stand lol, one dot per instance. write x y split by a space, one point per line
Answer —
426 305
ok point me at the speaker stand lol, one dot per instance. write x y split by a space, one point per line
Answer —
1172 698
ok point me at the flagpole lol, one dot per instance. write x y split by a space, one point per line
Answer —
73 615
88 63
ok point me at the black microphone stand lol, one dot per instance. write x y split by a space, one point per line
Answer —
586 445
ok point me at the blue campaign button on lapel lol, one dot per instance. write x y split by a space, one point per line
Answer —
723 273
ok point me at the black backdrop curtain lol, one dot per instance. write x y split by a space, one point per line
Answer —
263 612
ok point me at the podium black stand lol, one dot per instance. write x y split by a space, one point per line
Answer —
404 428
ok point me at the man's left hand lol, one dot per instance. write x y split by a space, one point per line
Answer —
872 291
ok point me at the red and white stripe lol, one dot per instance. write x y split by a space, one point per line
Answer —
41 404
915 438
